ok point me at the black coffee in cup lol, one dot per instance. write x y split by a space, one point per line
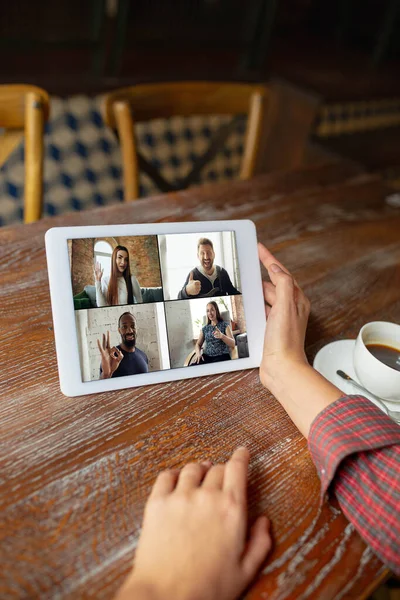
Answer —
386 354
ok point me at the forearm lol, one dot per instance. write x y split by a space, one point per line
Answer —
302 392
228 341
134 590
356 450
100 297
145 588
137 292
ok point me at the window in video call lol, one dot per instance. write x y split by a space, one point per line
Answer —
155 302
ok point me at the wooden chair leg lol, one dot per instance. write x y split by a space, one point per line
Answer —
34 150
253 136
126 135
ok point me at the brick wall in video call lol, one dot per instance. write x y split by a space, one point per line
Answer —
143 252
93 323
238 313
82 264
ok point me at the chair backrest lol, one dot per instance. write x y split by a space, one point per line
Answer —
23 111
123 107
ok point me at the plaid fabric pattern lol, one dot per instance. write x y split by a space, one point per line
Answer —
83 166
356 449
351 117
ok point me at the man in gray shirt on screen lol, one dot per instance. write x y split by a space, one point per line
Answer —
126 358
207 279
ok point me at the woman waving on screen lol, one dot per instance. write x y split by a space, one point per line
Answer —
217 336
121 287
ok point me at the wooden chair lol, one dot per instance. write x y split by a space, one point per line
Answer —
127 106
23 110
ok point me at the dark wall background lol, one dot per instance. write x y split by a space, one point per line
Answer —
71 46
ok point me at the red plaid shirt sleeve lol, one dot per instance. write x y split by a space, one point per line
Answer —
356 450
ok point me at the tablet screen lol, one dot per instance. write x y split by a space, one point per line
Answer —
154 302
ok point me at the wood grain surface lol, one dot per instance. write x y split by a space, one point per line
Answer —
75 473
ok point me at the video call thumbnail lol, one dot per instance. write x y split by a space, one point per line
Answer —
104 334
115 271
191 269
206 330
148 303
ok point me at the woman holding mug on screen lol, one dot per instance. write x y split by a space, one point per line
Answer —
218 337
120 287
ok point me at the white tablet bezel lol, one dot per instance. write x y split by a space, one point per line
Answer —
65 332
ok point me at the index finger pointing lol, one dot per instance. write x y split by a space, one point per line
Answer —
268 259
235 479
100 347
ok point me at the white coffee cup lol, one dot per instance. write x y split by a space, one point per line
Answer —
375 376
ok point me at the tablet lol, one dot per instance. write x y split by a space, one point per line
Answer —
135 305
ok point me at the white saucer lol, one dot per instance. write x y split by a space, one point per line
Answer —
339 355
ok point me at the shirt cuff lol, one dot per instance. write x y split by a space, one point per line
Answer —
349 425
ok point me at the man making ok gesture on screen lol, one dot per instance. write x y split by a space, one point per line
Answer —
126 358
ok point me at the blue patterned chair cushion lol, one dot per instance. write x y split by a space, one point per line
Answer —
83 166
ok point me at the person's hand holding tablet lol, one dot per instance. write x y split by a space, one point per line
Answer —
284 368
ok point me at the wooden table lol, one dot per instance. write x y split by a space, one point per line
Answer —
75 473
